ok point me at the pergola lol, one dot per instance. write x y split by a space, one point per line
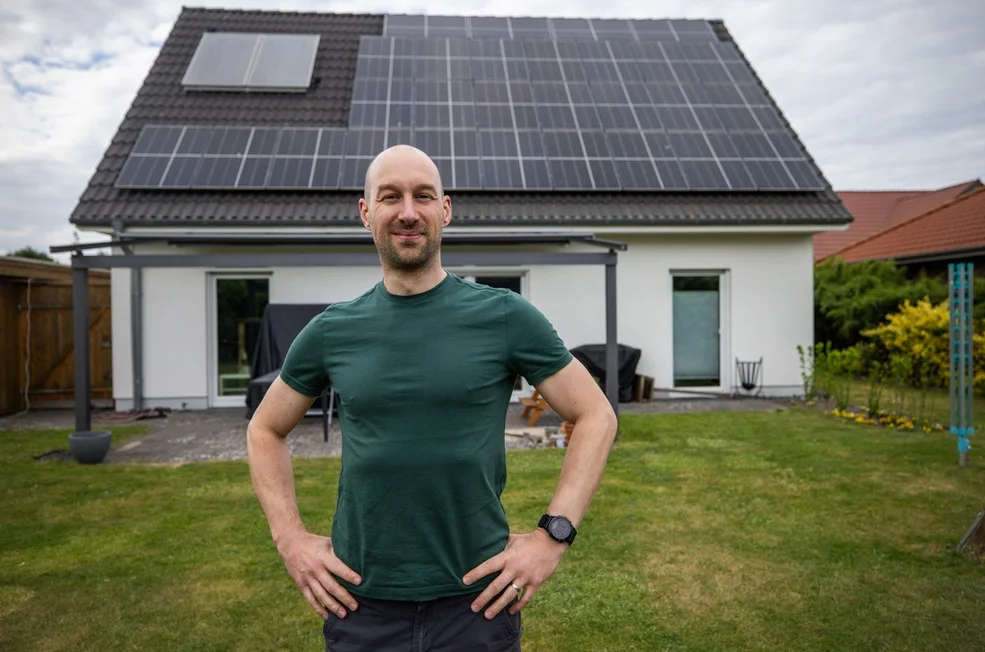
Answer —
125 242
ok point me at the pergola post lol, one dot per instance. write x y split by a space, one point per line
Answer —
80 317
611 336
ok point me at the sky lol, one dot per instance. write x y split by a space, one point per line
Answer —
885 94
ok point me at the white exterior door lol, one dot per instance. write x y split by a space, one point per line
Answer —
700 317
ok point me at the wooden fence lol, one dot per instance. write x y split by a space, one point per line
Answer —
37 351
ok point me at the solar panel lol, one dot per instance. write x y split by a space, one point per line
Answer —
253 62
670 175
253 174
570 174
326 173
219 171
636 174
142 171
180 172
157 140
290 172
604 175
536 175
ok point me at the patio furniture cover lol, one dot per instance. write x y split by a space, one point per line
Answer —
593 357
280 324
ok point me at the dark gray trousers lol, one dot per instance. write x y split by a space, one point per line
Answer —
441 625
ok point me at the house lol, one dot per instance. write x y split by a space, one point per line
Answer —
647 146
953 232
878 211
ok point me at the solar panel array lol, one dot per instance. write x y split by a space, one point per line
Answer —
514 104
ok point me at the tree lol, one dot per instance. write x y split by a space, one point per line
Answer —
31 252
850 298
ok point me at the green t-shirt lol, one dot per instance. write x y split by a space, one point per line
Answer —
422 383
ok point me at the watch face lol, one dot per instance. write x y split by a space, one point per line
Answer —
559 529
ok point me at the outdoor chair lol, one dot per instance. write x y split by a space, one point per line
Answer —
750 376
533 406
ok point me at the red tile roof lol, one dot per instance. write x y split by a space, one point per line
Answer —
956 226
877 211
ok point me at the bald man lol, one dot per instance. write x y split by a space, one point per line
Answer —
420 555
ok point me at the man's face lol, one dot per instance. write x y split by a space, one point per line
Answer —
405 209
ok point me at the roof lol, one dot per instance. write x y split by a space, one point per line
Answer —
161 100
958 226
875 211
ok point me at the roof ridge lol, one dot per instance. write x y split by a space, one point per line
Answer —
277 12
895 227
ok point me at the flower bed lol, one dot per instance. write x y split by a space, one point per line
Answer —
861 415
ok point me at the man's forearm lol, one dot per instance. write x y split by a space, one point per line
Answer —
584 465
273 481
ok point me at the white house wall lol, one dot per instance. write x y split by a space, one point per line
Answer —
769 297
769 301
321 285
769 312
174 337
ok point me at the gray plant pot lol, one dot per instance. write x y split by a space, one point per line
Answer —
89 446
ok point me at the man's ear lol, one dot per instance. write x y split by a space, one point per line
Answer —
364 212
447 208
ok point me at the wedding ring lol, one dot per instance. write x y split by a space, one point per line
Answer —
516 588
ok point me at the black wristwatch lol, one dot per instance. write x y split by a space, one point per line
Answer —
559 528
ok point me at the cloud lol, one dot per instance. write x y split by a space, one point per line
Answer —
884 93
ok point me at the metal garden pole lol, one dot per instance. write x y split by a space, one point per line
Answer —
962 374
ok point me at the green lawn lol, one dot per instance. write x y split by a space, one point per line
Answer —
764 531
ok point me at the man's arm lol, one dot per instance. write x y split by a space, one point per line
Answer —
577 398
310 559
530 559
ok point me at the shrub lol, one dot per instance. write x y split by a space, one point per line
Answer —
914 342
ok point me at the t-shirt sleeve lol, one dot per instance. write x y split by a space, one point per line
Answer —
535 350
304 365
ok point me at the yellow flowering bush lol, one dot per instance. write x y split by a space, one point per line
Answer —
919 331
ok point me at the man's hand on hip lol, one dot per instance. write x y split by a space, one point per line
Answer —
311 561
526 563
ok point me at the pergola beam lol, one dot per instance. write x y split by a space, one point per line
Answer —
82 263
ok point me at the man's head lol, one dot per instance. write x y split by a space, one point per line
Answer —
405 208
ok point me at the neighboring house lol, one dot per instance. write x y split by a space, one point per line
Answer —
877 211
951 233
657 134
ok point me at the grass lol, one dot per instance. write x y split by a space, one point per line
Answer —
760 531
